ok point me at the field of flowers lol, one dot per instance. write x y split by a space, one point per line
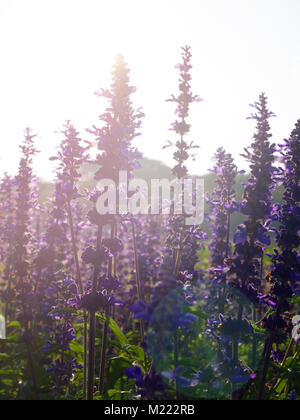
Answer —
145 307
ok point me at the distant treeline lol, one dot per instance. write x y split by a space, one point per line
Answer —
155 169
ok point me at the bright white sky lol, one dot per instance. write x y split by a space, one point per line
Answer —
56 53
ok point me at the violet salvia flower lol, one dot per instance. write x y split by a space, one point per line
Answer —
246 266
71 156
150 385
62 369
251 237
293 396
121 124
223 204
183 241
7 218
58 252
25 201
57 246
62 372
22 235
7 206
185 97
285 274
257 195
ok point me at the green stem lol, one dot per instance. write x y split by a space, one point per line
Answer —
223 293
105 327
267 354
28 345
254 343
177 263
91 365
80 286
176 357
268 350
282 364
103 353
92 331
235 352
85 355
138 279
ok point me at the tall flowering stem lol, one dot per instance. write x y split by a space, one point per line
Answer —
7 214
184 99
284 277
223 204
252 237
121 124
71 157
182 239
22 237
178 232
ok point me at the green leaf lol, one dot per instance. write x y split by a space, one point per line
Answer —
6 372
76 347
138 351
115 329
294 300
280 387
118 333
115 394
260 331
195 311
14 324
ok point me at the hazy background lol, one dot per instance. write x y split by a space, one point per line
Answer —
56 53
